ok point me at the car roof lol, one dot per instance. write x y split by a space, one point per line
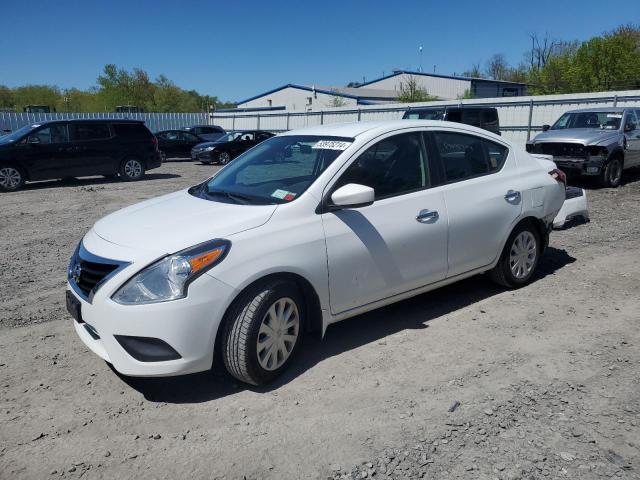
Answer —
89 120
452 107
354 129
600 109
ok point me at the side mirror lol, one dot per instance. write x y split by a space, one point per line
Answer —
629 127
545 127
353 195
33 140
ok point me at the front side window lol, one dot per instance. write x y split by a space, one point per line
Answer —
432 114
89 131
277 170
187 137
604 120
393 166
630 121
56 133
467 156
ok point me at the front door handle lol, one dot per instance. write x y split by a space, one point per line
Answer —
427 216
512 196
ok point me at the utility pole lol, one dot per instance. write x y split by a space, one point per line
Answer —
420 58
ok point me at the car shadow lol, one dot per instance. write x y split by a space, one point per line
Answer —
631 175
78 182
412 314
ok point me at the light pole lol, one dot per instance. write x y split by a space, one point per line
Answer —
420 55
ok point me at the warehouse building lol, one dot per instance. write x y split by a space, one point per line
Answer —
293 97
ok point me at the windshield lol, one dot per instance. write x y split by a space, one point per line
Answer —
605 120
277 170
13 136
425 115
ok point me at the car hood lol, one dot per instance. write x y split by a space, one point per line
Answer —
177 221
586 136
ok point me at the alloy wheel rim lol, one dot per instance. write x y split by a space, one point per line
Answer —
224 158
132 168
523 254
10 177
278 334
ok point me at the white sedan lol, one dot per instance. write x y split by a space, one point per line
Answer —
308 228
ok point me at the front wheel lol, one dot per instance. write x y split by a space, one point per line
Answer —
262 332
611 173
519 258
11 178
131 170
224 158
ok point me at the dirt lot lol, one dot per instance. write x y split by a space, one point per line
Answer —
547 377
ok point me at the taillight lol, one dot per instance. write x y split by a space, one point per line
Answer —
154 141
559 175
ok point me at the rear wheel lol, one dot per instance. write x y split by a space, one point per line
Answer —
611 174
519 257
131 169
11 178
262 331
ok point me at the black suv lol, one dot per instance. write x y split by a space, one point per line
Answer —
76 148
481 117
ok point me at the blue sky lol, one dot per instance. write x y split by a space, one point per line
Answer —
237 49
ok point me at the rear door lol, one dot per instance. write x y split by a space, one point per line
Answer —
93 149
632 137
398 243
483 194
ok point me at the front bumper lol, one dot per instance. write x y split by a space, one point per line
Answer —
206 157
188 326
580 166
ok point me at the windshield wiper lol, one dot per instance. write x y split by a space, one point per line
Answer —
236 197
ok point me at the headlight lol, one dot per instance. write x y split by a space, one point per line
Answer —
209 149
169 278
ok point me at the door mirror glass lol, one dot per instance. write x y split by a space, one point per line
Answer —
353 195
33 139
630 127
545 127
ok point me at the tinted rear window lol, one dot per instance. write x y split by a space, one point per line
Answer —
89 131
131 130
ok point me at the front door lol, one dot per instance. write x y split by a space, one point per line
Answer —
46 152
398 243
483 194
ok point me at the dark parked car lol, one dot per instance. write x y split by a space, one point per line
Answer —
481 117
178 143
209 132
229 146
76 148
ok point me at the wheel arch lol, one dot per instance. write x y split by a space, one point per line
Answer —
8 163
312 307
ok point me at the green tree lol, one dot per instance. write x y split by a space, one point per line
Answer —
410 91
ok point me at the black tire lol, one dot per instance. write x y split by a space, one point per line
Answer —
12 178
242 331
131 169
503 273
611 174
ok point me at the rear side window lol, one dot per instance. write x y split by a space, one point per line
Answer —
467 156
393 166
131 130
454 116
89 131
490 119
431 114
471 117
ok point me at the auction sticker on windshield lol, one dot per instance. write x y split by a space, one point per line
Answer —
283 195
331 145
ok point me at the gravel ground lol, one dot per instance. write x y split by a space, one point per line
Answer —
543 382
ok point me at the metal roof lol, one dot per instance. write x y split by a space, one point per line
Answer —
437 75
355 93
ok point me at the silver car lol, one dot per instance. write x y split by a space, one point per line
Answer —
598 142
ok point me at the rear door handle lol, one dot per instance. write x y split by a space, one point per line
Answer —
427 216
512 196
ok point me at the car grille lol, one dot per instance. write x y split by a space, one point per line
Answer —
87 272
569 150
91 274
